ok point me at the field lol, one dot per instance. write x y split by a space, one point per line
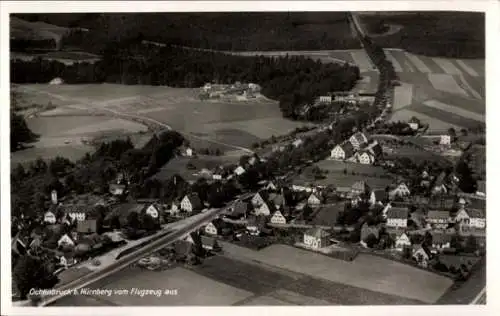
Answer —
227 126
442 92
63 135
367 272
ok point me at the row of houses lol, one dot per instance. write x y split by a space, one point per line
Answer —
357 149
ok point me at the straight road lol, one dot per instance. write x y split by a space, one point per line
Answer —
189 226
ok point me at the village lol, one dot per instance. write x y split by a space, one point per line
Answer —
423 220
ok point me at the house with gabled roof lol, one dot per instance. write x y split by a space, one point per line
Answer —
277 218
270 186
277 199
374 149
402 241
191 203
438 219
210 243
313 200
378 196
397 217
263 209
49 217
259 198
473 218
401 190
421 254
358 139
360 187
342 151
364 157
238 210
316 238
65 241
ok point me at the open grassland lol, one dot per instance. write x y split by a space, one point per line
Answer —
368 272
210 124
22 29
334 166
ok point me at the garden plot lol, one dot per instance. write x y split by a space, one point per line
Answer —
447 65
415 60
447 83
394 61
362 60
403 96
471 71
456 110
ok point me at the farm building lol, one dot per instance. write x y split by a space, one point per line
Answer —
402 241
358 139
316 238
325 99
191 203
210 243
360 187
441 241
397 217
438 219
472 218
342 152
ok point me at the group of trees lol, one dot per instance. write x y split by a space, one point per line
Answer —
20 133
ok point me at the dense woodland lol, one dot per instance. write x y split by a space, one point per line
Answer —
446 34
294 80
211 30
440 34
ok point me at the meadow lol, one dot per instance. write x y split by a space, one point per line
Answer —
115 109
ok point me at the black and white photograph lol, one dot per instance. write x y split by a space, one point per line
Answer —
245 158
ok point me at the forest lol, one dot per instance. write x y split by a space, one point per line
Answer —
293 80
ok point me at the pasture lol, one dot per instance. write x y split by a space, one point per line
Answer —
210 124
